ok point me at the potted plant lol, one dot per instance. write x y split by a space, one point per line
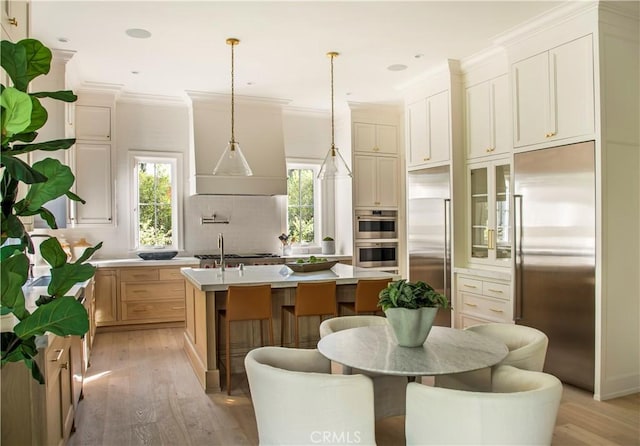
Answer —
410 309
24 191
328 245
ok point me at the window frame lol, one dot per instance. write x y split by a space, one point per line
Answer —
314 166
175 160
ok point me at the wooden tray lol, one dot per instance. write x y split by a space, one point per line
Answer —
309 267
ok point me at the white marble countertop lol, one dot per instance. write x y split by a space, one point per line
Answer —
446 350
279 276
136 261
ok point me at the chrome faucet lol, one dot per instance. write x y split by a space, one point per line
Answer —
221 246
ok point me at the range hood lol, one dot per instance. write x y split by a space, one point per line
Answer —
258 129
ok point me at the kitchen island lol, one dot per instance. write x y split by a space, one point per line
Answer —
206 294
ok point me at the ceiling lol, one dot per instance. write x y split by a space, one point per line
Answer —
283 45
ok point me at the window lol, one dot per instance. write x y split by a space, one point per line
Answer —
302 203
155 201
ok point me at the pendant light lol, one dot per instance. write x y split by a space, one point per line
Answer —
333 167
232 161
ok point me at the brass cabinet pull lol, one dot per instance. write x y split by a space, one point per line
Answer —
471 305
495 291
470 286
496 311
13 21
64 365
375 149
177 308
60 352
550 134
426 158
377 203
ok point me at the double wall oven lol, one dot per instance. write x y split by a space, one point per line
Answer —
376 235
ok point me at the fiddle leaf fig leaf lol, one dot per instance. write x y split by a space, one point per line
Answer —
49 146
38 58
62 316
59 181
39 116
71 196
14 61
13 275
9 250
52 252
21 170
64 277
65 95
88 253
17 107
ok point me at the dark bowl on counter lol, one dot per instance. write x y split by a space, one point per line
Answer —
157 255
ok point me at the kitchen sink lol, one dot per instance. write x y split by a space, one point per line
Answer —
41 281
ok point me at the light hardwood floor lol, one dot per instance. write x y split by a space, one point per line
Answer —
140 390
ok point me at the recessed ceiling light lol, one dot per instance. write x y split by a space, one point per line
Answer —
396 67
63 39
138 33
249 83
348 93
419 56
135 72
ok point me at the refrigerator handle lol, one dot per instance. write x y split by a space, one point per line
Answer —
518 257
447 246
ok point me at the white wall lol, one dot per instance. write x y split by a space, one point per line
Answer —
255 222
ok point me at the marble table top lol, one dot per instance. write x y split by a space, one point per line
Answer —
446 350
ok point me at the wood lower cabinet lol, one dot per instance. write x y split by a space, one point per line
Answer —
39 414
139 295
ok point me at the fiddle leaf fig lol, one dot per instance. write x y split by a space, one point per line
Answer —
22 115
62 316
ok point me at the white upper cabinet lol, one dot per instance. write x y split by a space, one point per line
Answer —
429 130
93 123
375 138
488 126
375 181
15 19
92 159
553 94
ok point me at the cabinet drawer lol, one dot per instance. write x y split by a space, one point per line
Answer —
171 274
484 307
161 311
137 275
467 321
469 285
497 290
153 290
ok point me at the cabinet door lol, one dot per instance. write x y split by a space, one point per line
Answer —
501 140
438 127
387 181
478 105
93 184
365 180
417 118
106 293
93 123
530 100
15 19
479 212
571 74
501 237
364 136
386 139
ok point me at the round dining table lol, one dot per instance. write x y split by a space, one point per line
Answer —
446 351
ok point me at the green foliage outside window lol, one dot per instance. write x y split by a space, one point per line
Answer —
154 204
300 205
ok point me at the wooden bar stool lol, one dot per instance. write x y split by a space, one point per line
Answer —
312 299
367 292
245 303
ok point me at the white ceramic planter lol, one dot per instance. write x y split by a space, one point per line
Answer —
328 247
411 327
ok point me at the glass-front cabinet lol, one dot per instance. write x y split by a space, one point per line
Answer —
490 192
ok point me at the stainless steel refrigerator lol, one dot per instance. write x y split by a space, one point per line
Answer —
429 231
554 250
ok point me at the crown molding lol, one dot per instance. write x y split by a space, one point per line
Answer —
205 96
100 87
131 97
305 111
449 66
63 56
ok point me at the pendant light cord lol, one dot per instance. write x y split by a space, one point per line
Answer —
233 139
333 146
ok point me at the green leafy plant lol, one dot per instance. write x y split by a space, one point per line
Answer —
24 192
403 294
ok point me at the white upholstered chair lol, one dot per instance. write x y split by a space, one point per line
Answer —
297 401
389 391
527 350
521 409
